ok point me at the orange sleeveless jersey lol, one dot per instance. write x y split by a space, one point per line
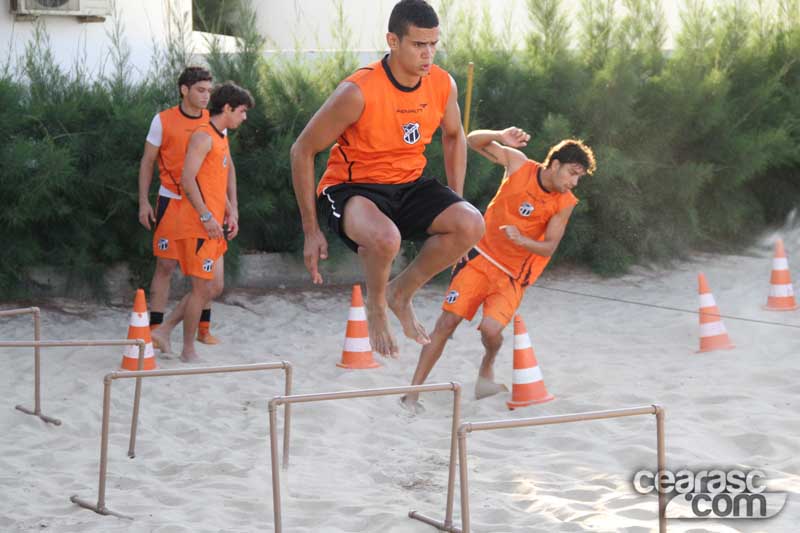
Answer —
176 129
520 201
387 143
212 179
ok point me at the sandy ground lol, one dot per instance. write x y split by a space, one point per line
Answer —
361 465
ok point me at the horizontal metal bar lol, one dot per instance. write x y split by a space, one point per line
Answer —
468 427
363 393
54 344
22 311
195 371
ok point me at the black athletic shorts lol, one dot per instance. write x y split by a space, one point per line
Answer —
411 206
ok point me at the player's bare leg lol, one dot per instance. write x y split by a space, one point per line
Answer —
162 333
430 354
453 233
492 339
378 243
203 291
159 293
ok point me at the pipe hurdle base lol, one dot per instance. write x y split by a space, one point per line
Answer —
441 526
48 419
105 511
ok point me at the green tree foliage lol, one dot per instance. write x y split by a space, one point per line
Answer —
695 146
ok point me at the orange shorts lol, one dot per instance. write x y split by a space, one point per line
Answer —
480 282
167 213
199 257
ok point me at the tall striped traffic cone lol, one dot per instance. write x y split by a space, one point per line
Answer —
781 293
527 385
139 329
357 352
713 335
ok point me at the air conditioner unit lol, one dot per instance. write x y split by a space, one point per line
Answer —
74 8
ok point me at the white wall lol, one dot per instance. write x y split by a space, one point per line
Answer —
286 23
308 23
144 21
146 24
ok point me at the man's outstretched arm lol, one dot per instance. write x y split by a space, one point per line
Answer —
341 109
500 147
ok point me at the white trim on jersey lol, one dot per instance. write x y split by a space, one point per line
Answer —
156 134
163 191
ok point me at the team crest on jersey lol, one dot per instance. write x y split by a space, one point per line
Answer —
208 264
225 161
163 244
411 132
451 297
526 209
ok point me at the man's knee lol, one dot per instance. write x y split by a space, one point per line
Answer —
469 224
384 241
165 267
215 289
207 289
448 323
492 334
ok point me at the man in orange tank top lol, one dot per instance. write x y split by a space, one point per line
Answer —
524 224
166 145
372 193
200 239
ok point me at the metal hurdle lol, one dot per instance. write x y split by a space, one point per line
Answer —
100 507
37 334
359 393
36 344
469 427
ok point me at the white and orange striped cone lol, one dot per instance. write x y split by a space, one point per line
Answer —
357 352
527 384
139 329
713 335
781 293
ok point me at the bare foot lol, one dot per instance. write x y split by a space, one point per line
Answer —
410 403
404 312
486 387
161 340
380 336
190 357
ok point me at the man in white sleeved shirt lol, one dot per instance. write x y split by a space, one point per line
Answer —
166 144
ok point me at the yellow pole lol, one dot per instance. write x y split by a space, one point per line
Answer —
468 104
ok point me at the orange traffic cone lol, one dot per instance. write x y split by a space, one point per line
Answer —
713 335
139 329
781 294
357 352
527 385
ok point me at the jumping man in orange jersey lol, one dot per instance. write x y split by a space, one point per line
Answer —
524 224
372 193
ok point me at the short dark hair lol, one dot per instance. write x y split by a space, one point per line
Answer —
412 12
572 151
231 94
192 75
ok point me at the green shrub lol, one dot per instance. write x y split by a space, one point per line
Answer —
698 146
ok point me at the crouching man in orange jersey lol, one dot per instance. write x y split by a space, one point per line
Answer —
524 224
200 240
